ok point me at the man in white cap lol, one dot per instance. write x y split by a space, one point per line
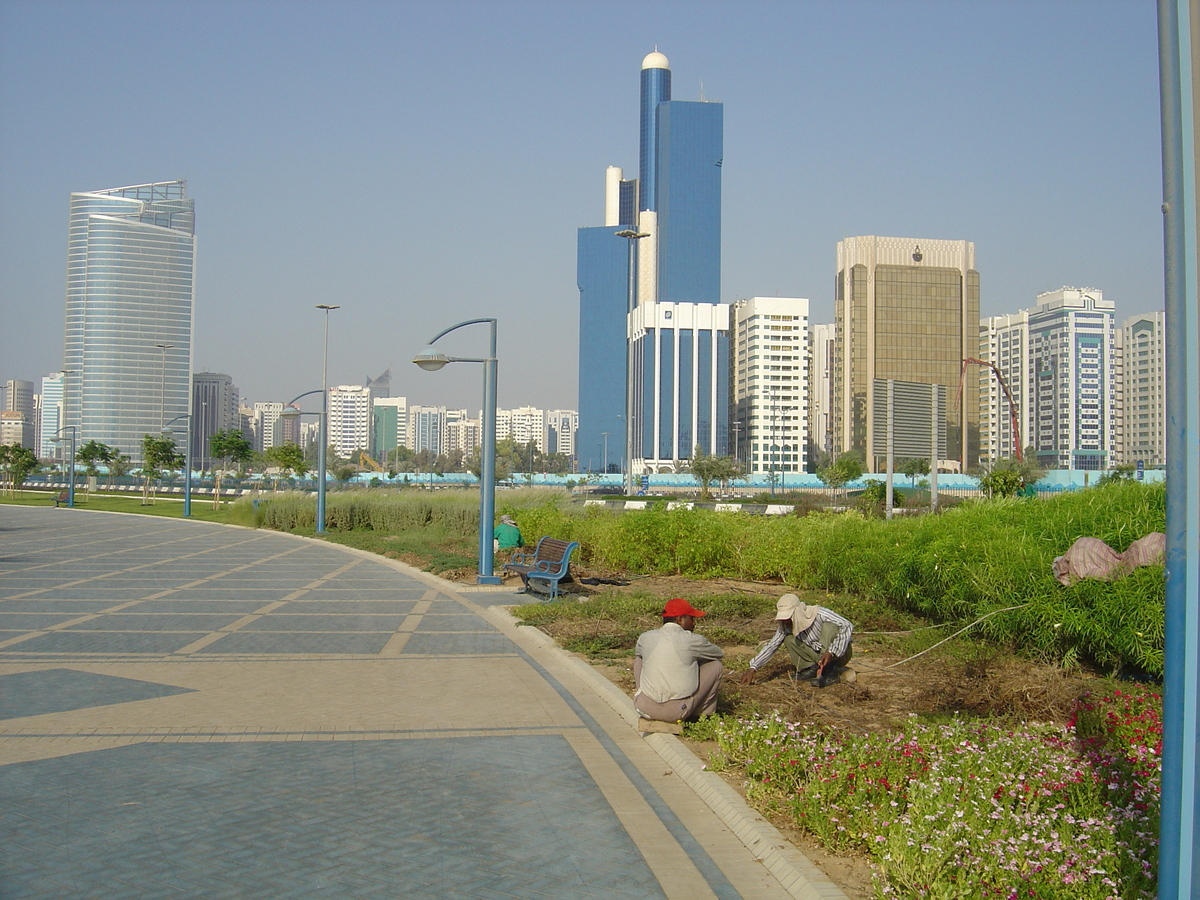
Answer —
817 639
676 671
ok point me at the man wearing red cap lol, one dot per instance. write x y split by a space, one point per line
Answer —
676 671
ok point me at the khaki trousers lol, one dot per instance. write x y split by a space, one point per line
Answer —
686 709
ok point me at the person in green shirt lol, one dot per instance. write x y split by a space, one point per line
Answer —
508 535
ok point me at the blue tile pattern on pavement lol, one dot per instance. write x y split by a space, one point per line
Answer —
458 644
512 817
106 642
61 690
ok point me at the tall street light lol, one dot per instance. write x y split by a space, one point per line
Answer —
162 383
187 471
324 422
605 469
71 477
633 236
290 411
432 360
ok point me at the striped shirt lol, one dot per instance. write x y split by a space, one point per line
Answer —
811 636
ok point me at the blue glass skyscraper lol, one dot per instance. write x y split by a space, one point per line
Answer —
677 217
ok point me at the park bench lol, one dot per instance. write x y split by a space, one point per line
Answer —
64 497
546 566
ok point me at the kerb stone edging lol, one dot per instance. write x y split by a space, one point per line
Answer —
791 868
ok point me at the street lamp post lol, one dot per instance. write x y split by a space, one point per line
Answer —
187 471
291 412
633 236
71 476
324 423
162 384
432 360
605 469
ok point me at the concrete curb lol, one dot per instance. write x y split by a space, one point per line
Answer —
791 868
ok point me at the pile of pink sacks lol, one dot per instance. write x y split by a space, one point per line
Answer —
1092 558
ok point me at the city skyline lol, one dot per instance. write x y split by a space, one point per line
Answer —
329 167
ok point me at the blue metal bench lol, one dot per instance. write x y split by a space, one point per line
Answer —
545 567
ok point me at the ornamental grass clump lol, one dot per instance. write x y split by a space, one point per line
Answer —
971 810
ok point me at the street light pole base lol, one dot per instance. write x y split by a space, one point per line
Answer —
488 579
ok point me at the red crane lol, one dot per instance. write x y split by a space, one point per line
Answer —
1012 406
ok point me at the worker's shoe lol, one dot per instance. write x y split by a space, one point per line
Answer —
842 676
804 675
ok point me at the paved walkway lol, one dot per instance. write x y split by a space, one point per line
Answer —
196 711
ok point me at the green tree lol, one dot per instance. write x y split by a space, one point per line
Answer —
846 468
1123 472
118 466
707 469
17 462
91 455
287 458
1009 476
228 445
912 469
158 455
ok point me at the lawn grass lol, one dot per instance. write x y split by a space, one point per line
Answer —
171 507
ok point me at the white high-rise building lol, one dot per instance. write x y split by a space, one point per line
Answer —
461 433
1145 389
1075 380
426 429
349 419
522 425
561 425
51 419
769 347
1004 341
21 423
681 363
266 416
820 389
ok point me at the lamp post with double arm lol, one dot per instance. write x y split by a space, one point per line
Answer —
431 360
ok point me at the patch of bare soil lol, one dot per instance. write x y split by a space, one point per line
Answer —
882 694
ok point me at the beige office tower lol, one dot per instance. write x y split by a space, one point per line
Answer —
1145 395
906 309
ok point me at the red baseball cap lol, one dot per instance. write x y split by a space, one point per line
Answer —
680 607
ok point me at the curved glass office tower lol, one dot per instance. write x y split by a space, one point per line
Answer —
130 282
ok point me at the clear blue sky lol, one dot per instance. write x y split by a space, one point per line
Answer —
424 163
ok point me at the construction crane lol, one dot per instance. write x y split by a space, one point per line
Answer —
1013 415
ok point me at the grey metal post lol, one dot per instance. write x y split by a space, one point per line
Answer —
891 395
1179 830
933 457
633 236
323 427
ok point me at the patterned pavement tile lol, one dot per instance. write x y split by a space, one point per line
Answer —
344 607
30 621
331 644
60 690
458 644
102 642
278 621
135 621
509 817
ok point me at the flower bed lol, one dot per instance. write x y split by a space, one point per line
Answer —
973 810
